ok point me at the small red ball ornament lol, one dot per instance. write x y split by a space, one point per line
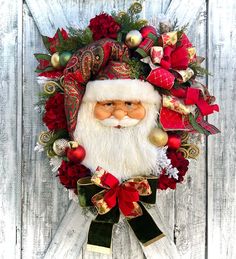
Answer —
148 29
174 141
76 153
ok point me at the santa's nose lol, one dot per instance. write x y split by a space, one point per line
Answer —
119 114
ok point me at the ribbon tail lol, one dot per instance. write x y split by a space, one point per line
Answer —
100 232
145 228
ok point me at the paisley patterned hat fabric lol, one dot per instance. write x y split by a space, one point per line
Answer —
101 60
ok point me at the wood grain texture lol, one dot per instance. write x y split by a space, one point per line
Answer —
190 197
10 128
222 149
185 11
44 201
37 220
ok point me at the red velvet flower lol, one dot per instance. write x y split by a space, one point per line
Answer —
55 117
178 161
69 173
104 26
164 182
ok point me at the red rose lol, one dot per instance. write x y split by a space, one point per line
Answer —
55 117
69 173
104 26
164 182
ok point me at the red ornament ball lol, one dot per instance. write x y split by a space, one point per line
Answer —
76 155
148 29
174 141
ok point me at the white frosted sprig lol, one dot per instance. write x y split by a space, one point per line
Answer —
39 147
55 163
172 172
38 109
41 80
72 195
163 162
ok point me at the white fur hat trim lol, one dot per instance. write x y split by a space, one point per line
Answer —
121 89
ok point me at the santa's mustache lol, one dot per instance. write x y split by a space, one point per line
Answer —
125 122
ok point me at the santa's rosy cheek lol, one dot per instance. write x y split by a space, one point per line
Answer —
100 113
138 113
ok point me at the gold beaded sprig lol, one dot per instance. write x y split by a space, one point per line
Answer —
51 86
45 137
189 151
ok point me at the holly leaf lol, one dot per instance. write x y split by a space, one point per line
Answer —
196 126
44 63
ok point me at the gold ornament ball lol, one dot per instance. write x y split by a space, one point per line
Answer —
55 60
158 137
133 39
60 146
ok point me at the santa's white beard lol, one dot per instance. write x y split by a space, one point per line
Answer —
124 152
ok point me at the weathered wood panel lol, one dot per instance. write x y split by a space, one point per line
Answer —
190 197
50 225
44 201
222 149
10 127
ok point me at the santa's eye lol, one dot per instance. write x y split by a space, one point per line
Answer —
129 104
108 104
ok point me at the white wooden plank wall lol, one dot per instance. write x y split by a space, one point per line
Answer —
222 150
37 220
10 128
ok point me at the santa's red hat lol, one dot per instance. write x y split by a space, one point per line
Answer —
99 72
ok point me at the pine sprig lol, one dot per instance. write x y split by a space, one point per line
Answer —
43 97
70 44
129 20
138 68
77 39
181 31
199 70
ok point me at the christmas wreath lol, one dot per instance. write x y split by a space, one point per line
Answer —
121 103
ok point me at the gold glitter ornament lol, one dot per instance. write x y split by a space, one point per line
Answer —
60 146
133 39
55 60
158 137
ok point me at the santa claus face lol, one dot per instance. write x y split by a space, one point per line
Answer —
121 148
113 125
118 113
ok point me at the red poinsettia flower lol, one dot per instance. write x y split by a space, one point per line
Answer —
69 173
104 26
55 117
178 161
55 41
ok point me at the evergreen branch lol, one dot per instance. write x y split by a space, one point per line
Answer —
199 70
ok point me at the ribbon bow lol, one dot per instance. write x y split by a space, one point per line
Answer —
170 56
104 191
193 96
126 195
